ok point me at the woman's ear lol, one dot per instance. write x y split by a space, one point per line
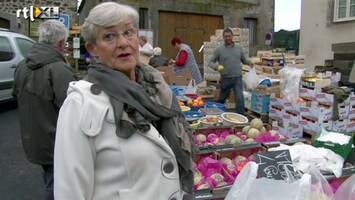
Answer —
91 48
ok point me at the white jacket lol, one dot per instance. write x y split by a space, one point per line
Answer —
92 163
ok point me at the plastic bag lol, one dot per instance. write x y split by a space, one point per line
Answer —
346 189
321 189
247 187
290 78
191 87
251 79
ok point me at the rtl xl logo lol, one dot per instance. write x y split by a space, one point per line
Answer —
43 12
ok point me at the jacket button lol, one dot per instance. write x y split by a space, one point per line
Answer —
168 167
95 89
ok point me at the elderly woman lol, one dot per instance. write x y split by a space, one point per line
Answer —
158 60
186 59
121 134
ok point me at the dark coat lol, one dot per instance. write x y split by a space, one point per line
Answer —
157 61
40 86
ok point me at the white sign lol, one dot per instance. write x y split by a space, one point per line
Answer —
76 53
76 43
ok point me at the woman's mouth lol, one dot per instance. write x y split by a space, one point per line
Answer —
124 55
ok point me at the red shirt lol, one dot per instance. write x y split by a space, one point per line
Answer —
182 58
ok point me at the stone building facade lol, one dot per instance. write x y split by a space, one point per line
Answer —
195 13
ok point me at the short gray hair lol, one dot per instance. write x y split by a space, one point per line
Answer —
52 31
157 51
105 15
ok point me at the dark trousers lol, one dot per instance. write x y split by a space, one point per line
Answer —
48 180
235 83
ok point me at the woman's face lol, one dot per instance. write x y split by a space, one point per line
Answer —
118 47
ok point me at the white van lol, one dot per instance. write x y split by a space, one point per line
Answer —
13 48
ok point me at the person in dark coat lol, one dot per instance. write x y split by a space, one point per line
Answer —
158 60
41 81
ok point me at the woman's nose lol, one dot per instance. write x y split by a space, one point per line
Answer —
122 41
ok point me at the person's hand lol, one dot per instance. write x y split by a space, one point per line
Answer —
171 62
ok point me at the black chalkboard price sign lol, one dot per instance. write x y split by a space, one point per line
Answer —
273 164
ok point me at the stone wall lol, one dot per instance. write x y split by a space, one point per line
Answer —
233 11
8 10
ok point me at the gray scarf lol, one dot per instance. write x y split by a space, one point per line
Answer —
134 98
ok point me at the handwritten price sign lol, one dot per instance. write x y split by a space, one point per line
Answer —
275 164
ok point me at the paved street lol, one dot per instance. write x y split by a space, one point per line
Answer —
19 179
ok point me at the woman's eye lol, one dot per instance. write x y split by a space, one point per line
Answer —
110 36
128 33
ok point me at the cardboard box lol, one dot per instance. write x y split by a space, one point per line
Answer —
292 117
316 111
276 111
351 112
167 70
309 93
325 98
350 126
180 78
275 100
287 129
176 78
340 125
315 125
288 106
343 111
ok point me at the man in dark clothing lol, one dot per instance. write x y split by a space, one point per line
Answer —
40 85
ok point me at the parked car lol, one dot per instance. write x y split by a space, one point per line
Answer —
13 48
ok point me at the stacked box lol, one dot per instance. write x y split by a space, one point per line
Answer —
333 77
276 109
287 129
287 116
350 127
260 102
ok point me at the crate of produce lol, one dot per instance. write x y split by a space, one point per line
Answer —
342 150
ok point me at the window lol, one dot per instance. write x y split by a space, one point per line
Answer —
143 18
24 45
250 23
6 53
344 10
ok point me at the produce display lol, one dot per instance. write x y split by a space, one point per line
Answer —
255 132
234 119
211 121
211 172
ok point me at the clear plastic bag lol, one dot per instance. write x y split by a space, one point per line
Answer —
251 79
346 191
321 189
191 87
290 81
247 187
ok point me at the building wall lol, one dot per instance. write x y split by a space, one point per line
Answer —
318 31
8 10
233 11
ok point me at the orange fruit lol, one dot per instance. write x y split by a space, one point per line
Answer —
181 103
201 103
195 104
190 102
